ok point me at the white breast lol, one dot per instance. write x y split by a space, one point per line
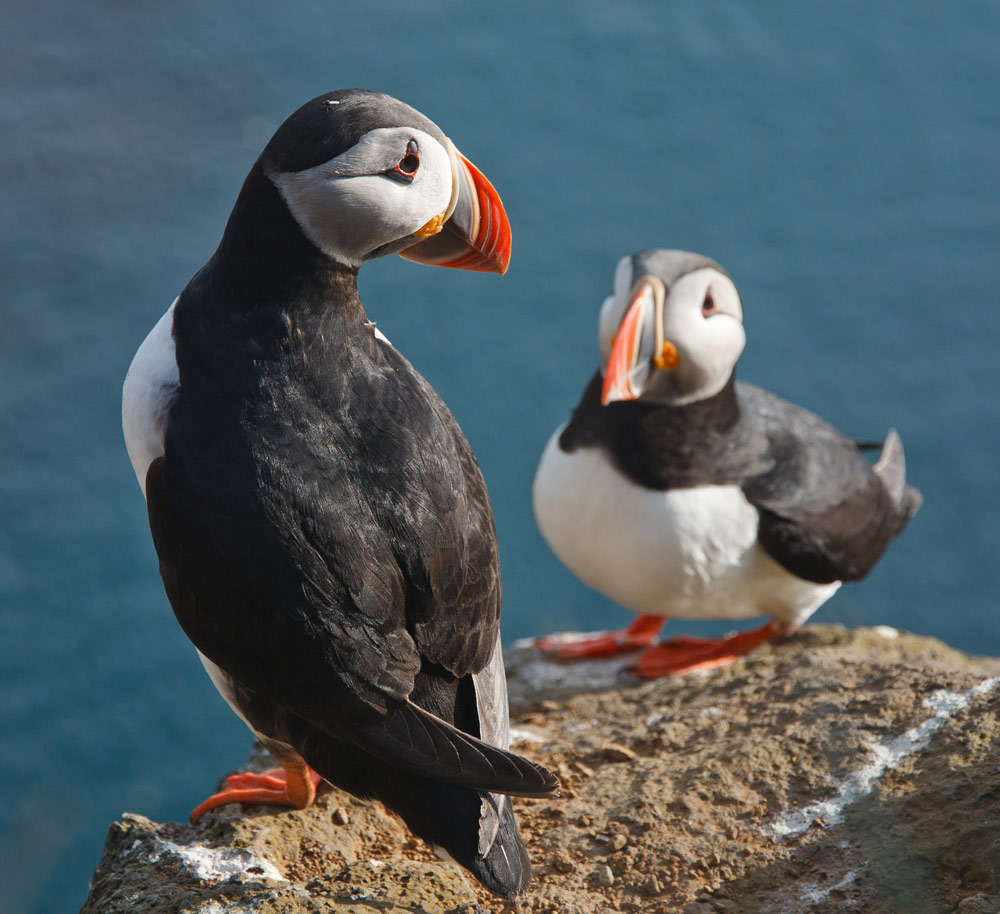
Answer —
687 553
150 387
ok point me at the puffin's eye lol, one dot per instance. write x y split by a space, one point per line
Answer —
407 166
708 305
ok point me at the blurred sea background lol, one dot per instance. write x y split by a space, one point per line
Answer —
842 161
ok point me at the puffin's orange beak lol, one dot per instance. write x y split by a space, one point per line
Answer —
618 373
476 233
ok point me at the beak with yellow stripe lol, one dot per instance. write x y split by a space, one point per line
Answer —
639 346
671 331
473 232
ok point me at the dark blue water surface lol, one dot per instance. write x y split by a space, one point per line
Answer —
840 160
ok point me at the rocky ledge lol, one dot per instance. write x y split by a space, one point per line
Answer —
833 771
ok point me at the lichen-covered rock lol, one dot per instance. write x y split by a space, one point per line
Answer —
270 861
831 771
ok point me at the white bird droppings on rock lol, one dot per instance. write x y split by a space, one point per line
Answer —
814 893
885 757
214 864
535 674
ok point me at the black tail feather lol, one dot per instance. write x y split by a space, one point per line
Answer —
412 739
505 869
449 816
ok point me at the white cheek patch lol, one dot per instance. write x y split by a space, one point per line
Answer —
727 299
613 309
381 149
709 347
607 324
623 277
377 148
728 341
348 207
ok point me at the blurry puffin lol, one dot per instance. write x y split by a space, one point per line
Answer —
324 533
677 491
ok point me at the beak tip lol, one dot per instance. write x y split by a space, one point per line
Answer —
480 240
493 239
622 379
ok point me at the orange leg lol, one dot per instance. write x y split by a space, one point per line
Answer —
293 784
640 633
684 654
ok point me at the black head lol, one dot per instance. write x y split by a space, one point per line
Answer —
672 329
357 174
331 124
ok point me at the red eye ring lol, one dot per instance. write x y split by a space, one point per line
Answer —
408 165
708 305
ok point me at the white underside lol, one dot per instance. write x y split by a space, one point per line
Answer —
687 553
150 387
220 679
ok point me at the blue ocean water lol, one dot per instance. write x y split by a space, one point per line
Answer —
841 161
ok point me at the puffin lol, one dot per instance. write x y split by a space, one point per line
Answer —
324 533
677 491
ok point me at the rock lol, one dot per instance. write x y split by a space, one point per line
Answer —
978 904
604 876
615 752
269 862
836 770
563 864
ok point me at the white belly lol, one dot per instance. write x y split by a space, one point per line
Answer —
686 553
151 384
150 387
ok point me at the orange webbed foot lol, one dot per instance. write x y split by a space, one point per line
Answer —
640 633
291 785
686 654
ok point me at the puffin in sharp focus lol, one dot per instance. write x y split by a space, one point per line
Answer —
676 490
324 533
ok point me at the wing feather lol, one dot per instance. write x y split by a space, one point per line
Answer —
825 513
